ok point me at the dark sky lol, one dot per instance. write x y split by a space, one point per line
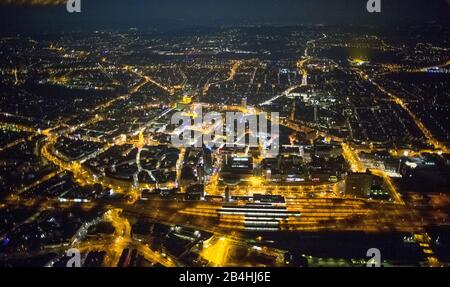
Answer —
104 14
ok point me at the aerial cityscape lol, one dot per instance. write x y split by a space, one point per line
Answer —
350 168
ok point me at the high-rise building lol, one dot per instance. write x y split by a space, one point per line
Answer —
207 160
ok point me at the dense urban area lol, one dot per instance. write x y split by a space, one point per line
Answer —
87 160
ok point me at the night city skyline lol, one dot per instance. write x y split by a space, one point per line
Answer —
203 133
